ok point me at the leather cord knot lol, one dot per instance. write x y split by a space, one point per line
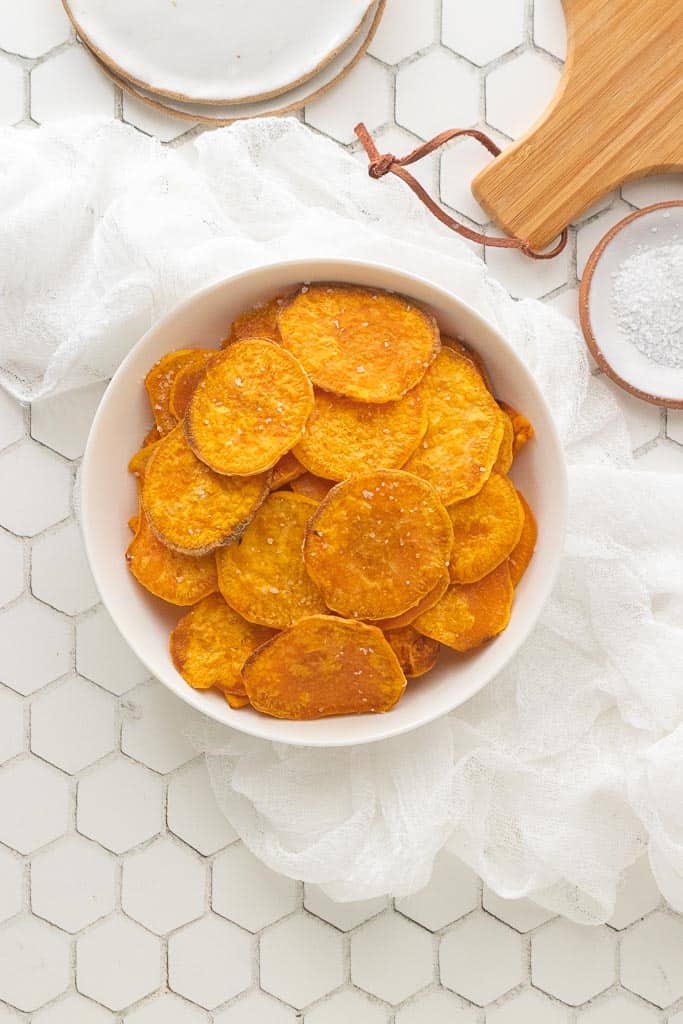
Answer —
380 164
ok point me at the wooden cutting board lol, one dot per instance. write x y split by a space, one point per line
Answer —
617 114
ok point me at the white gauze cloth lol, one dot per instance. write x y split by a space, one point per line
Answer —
569 765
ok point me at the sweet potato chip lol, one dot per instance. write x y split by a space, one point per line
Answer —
285 470
184 384
324 666
377 544
249 408
311 486
523 430
151 436
428 601
343 436
263 576
416 654
369 345
465 429
211 643
258 322
189 507
458 345
178 579
133 524
486 528
470 613
506 451
521 554
236 701
159 382
139 461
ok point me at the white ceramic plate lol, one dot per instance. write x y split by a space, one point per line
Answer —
109 497
280 104
217 51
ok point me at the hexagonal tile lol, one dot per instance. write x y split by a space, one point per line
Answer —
153 728
391 958
528 1007
366 90
60 574
11 419
12 561
453 891
32 27
463 968
62 421
591 233
652 959
73 883
256 1007
405 28
25 665
391 139
453 88
11 725
209 961
11 92
70 83
461 161
550 28
665 457
301 960
525 278
193 813
674 425
638 894
615 1006
104 656
35 489
166 1008
572 962
436 1008
163 886
350 1005
75 1009
11 884
344 916
73 724
248 892
8 1016
522 915
34 804
152 121
120 805
656 189
483 31
36 963
117 963
518 91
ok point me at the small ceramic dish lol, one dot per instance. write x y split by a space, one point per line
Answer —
109 497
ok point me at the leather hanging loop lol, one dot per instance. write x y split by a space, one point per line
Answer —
380 164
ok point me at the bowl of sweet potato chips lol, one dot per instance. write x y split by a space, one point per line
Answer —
324 502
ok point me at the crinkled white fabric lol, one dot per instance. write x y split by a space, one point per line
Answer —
569 764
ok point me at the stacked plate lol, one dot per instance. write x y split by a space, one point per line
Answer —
217 61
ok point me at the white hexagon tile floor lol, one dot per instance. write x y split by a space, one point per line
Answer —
125 896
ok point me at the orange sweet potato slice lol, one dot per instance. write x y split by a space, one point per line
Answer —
521 554
486 528
236 700
151 436
369 345
522 428
133 524
464 432
285 470
377 544
311 486
140 460
257 322
506 452
211 643
343 436
190 508
249 408
430 599
470 613
263 577
416 654
184 384
458 345
324 666
175 578
159 382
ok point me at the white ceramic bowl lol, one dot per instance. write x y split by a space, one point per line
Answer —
109 497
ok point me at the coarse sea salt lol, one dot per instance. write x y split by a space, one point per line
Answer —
647 299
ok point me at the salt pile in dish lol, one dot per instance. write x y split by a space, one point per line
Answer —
647 298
